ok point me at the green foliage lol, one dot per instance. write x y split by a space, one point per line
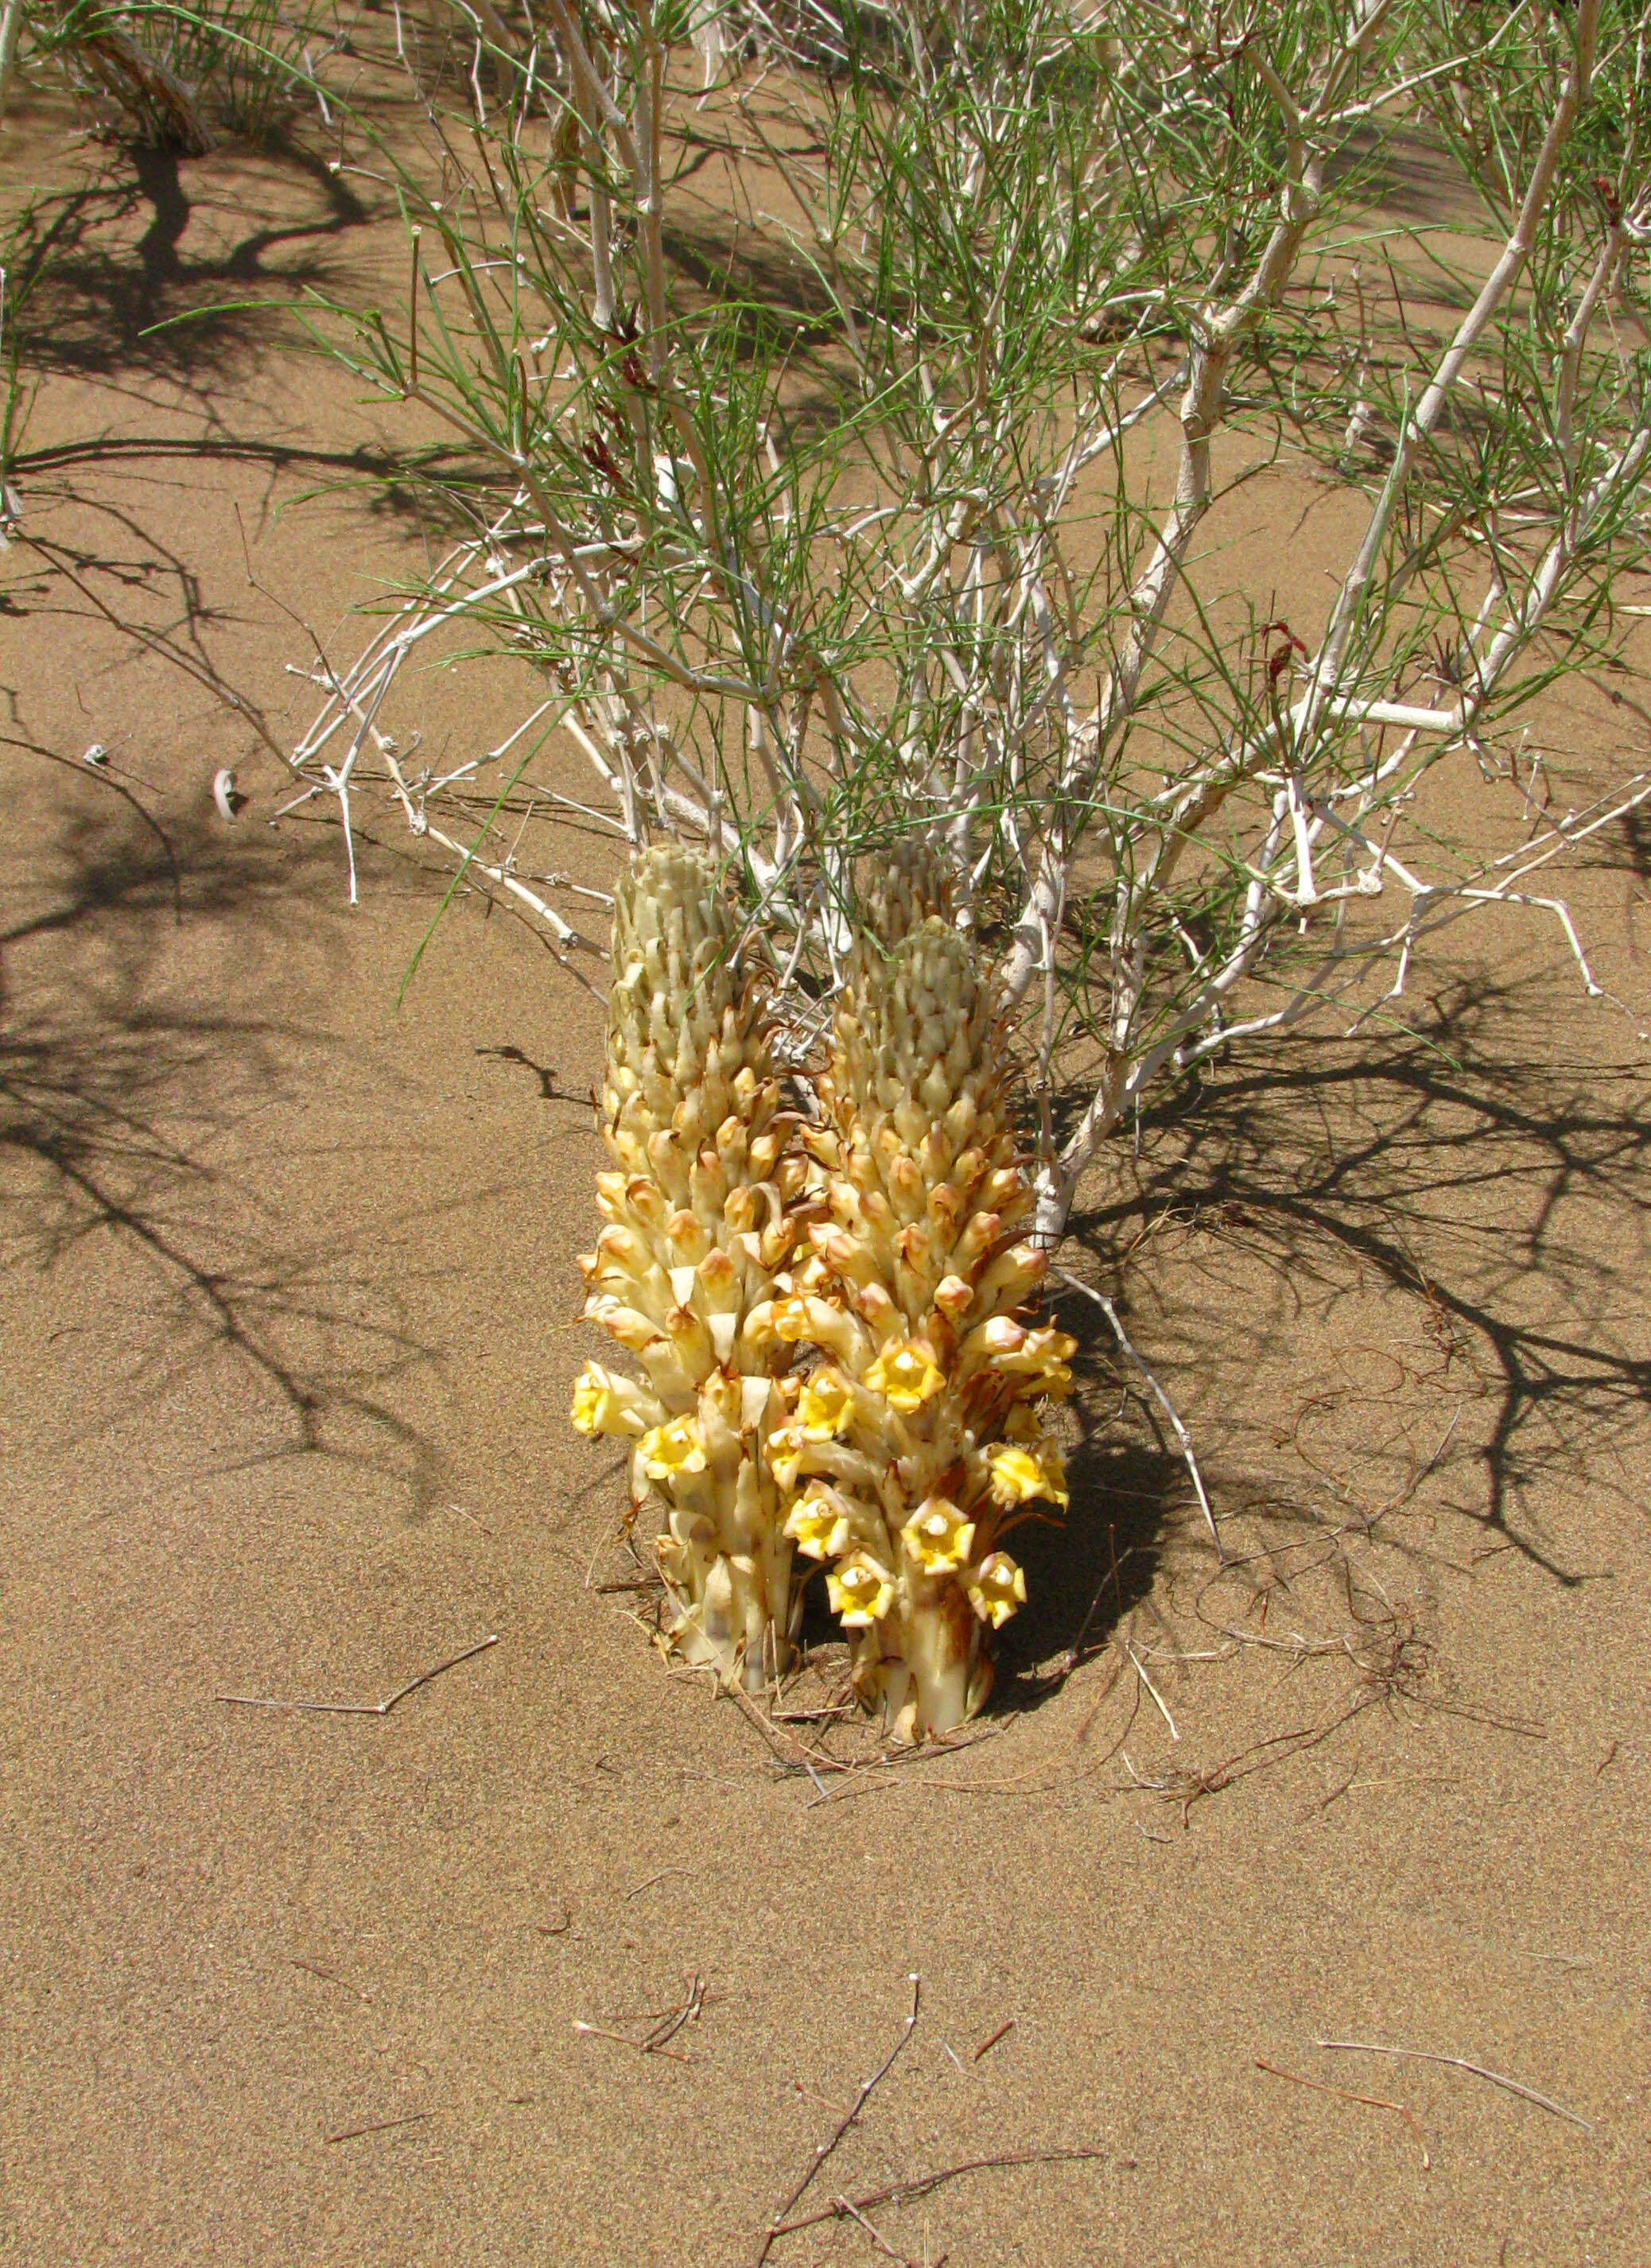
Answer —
868 530
162 70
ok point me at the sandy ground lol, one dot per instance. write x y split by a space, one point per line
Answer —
287 1300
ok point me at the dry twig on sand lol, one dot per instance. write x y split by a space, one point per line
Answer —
662 2030
921 2184
362 1708
673 2021
380 2126
1461 2063
1376 2101
852 2212
904 2192
777 2225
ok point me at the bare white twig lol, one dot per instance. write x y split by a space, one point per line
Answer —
1181 1436
363 1708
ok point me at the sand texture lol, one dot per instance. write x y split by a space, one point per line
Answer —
289 1313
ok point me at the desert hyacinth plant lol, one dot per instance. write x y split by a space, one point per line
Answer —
916 1441
699 1209
899 440
835 1351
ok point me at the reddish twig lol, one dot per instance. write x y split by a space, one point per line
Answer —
777 2224
379 2126
1376 2101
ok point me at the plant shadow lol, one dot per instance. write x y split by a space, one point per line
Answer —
1498 1190
101 271
121 1092
1087 1572
105 284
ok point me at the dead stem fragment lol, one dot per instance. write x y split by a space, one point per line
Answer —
853 2212
1461 2063
637 1889
623 2039
669 2025
1376 2101
777 2224
362 1708
662 2028
986 2046
379 2126
921 2184
312 1969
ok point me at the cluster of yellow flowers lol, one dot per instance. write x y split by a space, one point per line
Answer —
700 1213
916 1439
854 1377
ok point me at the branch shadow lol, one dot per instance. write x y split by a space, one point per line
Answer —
1503 1193
727 263
128 578
119 1094
99 273
545 1073
97 267
778 308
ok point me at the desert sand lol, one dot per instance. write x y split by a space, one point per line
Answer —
288 1309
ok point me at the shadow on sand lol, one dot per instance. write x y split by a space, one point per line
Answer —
105 284
1502 1193
121 1091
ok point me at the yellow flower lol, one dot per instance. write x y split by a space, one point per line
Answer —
669 1449
996 1588
785 1456
603 1404
789 1319
817 1526
905 1376
1044 1360
802 1314
590 1393
938 1536
861 1591
826 1406
1016 1475
1054 1475
1019 1474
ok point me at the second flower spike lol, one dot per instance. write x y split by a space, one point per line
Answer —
917 1439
